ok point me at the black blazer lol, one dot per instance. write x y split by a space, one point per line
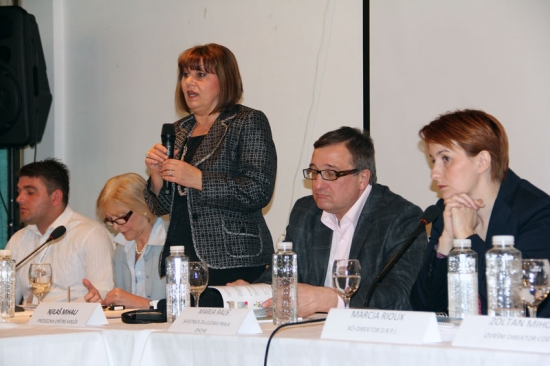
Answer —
521 210
385 223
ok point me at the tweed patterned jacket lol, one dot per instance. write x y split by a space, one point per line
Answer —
239 163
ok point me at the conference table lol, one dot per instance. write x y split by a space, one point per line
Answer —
119 343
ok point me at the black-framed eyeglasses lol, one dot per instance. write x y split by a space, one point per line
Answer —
119 220
327 174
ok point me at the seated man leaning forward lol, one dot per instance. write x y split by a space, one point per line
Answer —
350 216
84 251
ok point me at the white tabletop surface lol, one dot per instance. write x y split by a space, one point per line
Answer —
152 344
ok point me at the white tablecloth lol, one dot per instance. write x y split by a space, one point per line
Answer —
152 344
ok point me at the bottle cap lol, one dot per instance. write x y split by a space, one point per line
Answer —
5 253
177 249
460 243
284 245
503 240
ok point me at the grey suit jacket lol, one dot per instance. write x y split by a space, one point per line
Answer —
384 225
239 163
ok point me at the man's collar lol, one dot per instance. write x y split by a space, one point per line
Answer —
62 220
353 213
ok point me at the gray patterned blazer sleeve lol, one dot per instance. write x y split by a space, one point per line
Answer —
249 184
159 205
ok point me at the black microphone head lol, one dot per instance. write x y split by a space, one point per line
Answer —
430 214
57 233
168 131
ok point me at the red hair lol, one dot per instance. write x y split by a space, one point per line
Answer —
474 131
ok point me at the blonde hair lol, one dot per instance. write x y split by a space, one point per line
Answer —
124 190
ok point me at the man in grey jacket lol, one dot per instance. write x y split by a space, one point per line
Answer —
349 215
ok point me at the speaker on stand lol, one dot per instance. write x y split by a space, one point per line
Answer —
25 97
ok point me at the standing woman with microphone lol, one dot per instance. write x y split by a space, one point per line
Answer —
222 174
481 197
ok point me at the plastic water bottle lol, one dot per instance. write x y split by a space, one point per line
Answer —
177 283
284 284
462 280
504 277
7 285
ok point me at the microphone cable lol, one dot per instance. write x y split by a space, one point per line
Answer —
287 325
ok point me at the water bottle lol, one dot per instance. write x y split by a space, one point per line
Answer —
177 283
504 277
462 280
7 285
284 284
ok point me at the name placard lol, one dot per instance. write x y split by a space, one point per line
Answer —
219 321
68 314
494 332
405 327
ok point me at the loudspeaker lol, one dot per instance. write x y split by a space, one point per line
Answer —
25 97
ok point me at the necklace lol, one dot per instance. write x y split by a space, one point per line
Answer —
138 252
183 190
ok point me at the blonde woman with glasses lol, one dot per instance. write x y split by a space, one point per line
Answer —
141 235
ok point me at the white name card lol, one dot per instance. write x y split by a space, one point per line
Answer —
219 321
405 327
68 314
494 332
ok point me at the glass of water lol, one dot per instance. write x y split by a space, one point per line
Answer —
198 279
346 277
40 279
536 283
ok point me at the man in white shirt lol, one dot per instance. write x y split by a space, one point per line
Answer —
350 216
85 251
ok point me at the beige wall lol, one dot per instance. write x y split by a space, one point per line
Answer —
112 69
432 56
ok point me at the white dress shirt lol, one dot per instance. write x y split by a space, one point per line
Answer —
85 251
342 234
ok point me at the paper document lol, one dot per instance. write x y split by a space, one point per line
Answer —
245 296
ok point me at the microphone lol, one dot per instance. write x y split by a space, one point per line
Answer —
168 137
57 233
428 217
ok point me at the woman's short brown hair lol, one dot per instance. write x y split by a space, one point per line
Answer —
474 131
214 59
125 190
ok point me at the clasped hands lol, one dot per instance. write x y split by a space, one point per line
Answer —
460 218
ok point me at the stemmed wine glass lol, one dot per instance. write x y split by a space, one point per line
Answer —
346 276
40 279
536 283
198 279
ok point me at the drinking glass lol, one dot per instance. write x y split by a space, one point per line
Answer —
198 279
536 283
40 279
346 276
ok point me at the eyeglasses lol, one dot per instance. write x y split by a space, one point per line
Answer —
119 220
311 174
